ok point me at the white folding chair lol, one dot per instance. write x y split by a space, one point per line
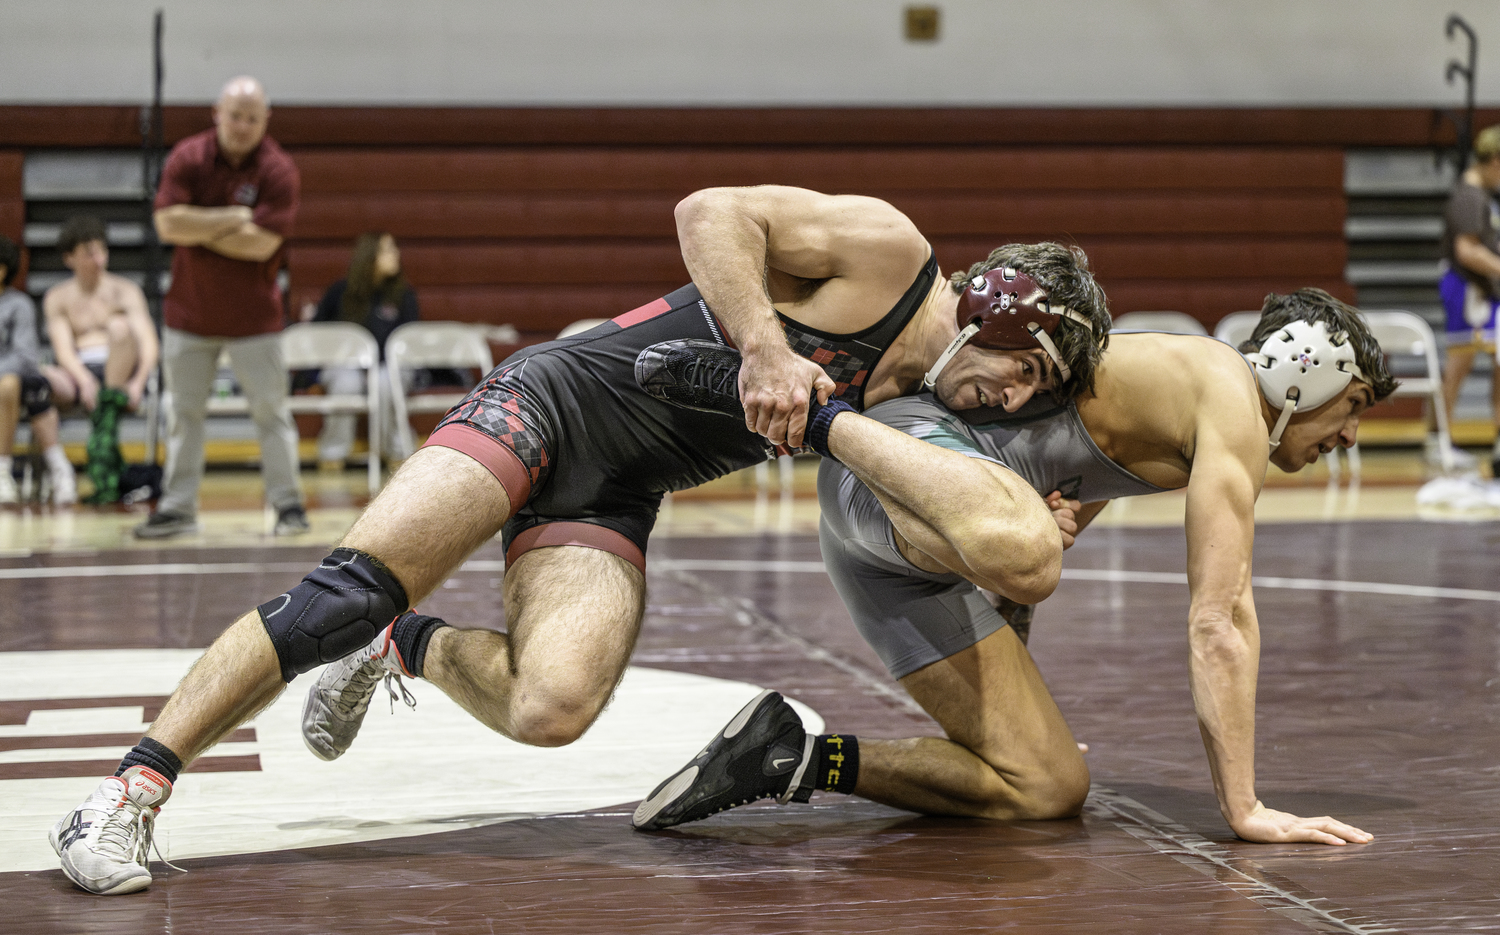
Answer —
316 345
1403 334
1170 322
448 344
1236 327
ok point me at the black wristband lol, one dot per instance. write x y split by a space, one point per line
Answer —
820 421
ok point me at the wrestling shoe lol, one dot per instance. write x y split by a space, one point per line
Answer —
338 700
291 521
692 373
64 487
9 492
105 843
763 751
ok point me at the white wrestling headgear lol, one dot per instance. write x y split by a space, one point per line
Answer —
1301 367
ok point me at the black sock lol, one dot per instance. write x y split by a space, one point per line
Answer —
155 756
411 634
834 766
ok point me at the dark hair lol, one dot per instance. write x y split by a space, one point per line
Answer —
1315 305
10 258
1064 272
80 230
360 288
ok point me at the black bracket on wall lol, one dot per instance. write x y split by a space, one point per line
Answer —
1463 122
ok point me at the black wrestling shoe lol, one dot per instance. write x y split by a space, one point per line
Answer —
692 373
763 751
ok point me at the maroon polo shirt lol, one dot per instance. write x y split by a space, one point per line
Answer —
214 295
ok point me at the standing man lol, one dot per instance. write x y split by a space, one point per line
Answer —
1471 285
227 201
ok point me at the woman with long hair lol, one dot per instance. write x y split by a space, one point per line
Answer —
374 294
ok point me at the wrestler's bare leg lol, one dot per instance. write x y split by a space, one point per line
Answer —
1008 754
440 506
572 615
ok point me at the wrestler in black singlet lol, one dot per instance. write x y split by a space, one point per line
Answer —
598 450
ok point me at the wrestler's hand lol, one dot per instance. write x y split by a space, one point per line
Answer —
1065 515
1268 826
775 386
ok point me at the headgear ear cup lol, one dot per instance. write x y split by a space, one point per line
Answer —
1005 309
1301 367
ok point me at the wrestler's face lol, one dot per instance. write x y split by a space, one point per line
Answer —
978 377
240 120
88 259
1331 425
1489 173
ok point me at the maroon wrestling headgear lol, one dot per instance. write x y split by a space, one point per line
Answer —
1007 310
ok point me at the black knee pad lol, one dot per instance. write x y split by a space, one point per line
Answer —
36 394
333 612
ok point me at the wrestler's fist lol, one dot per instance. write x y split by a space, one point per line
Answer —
1065 514
775 386
1268 826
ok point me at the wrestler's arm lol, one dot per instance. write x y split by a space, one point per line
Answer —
970 516
1228 465
732 237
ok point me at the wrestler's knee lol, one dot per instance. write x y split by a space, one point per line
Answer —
118 330
1055 790
552 716
10 387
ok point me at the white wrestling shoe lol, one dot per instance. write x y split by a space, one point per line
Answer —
105 843
9 492
337 702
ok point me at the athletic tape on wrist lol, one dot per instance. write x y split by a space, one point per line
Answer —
822 419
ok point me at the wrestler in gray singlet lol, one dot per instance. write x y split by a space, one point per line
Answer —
913 618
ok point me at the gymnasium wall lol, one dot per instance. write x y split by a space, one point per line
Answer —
749 52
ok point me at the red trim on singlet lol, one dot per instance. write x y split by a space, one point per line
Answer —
499 460
587 535
644 313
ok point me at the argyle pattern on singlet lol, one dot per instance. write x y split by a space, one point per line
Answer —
847 371
497 409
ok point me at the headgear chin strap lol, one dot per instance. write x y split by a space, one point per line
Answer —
1007 310
1301 367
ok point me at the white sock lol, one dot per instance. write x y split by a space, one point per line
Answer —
5 463
57 459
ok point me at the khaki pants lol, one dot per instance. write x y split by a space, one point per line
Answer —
189 362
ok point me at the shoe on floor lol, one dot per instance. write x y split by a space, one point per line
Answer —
291 521
763 751
64 486
105 843
163 524
9 492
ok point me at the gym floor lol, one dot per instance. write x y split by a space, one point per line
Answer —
1379 698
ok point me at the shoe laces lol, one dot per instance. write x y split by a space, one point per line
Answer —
125 830
716 374
406 697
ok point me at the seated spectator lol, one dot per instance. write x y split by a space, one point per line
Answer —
105 345
24 392
374 294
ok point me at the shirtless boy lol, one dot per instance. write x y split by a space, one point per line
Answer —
105 345
1165 412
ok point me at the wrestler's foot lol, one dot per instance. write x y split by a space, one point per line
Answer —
337 702
105 843
692 373
762 752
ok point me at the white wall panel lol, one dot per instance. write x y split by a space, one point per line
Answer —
750 52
